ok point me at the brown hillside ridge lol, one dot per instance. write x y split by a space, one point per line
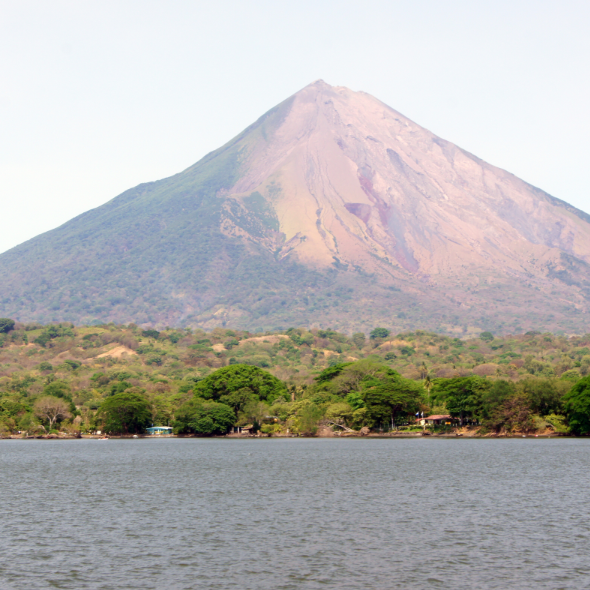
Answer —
361 183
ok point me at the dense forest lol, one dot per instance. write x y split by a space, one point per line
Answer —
61 378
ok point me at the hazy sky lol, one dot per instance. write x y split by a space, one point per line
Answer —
99 96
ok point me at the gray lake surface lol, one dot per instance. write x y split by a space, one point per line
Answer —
294 513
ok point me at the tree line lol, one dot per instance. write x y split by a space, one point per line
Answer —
63 377
361 394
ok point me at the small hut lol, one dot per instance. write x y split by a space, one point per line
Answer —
440 419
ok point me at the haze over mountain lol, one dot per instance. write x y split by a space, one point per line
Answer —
331 210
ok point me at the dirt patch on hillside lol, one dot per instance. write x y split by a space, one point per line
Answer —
396 343
117 352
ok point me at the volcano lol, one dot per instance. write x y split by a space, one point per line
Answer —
331 210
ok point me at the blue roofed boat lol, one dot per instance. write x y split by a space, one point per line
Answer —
158 430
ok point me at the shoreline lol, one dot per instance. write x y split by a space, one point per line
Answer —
242 437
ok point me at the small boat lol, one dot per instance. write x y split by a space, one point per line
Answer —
103 438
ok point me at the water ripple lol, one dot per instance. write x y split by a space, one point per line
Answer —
294 514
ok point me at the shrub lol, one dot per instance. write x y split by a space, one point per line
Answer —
53 332
557 422
270 429
72 364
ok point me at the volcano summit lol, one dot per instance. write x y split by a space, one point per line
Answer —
332 209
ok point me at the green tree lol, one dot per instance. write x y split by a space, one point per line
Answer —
57 389
390 396
236 384
11 407
427 384
379 333
239 399
546 396
254 412
486 336
295 336
331 372
355 400
308 419
51 409
461 395
572 375
513 414
151 333
174 337
27 422
206 418
125 413
344 378
340 412
6 325
577 407
558 423
306 338
162 410
495 395
118 387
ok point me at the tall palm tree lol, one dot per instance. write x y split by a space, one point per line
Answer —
427 380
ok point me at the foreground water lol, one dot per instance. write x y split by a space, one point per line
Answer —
294 513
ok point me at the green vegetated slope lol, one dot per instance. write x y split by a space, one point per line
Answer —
154 253
296 380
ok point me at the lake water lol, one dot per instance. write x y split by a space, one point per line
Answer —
295 513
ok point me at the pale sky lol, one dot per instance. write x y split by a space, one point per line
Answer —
97 96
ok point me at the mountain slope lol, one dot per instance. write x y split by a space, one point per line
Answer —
332 209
